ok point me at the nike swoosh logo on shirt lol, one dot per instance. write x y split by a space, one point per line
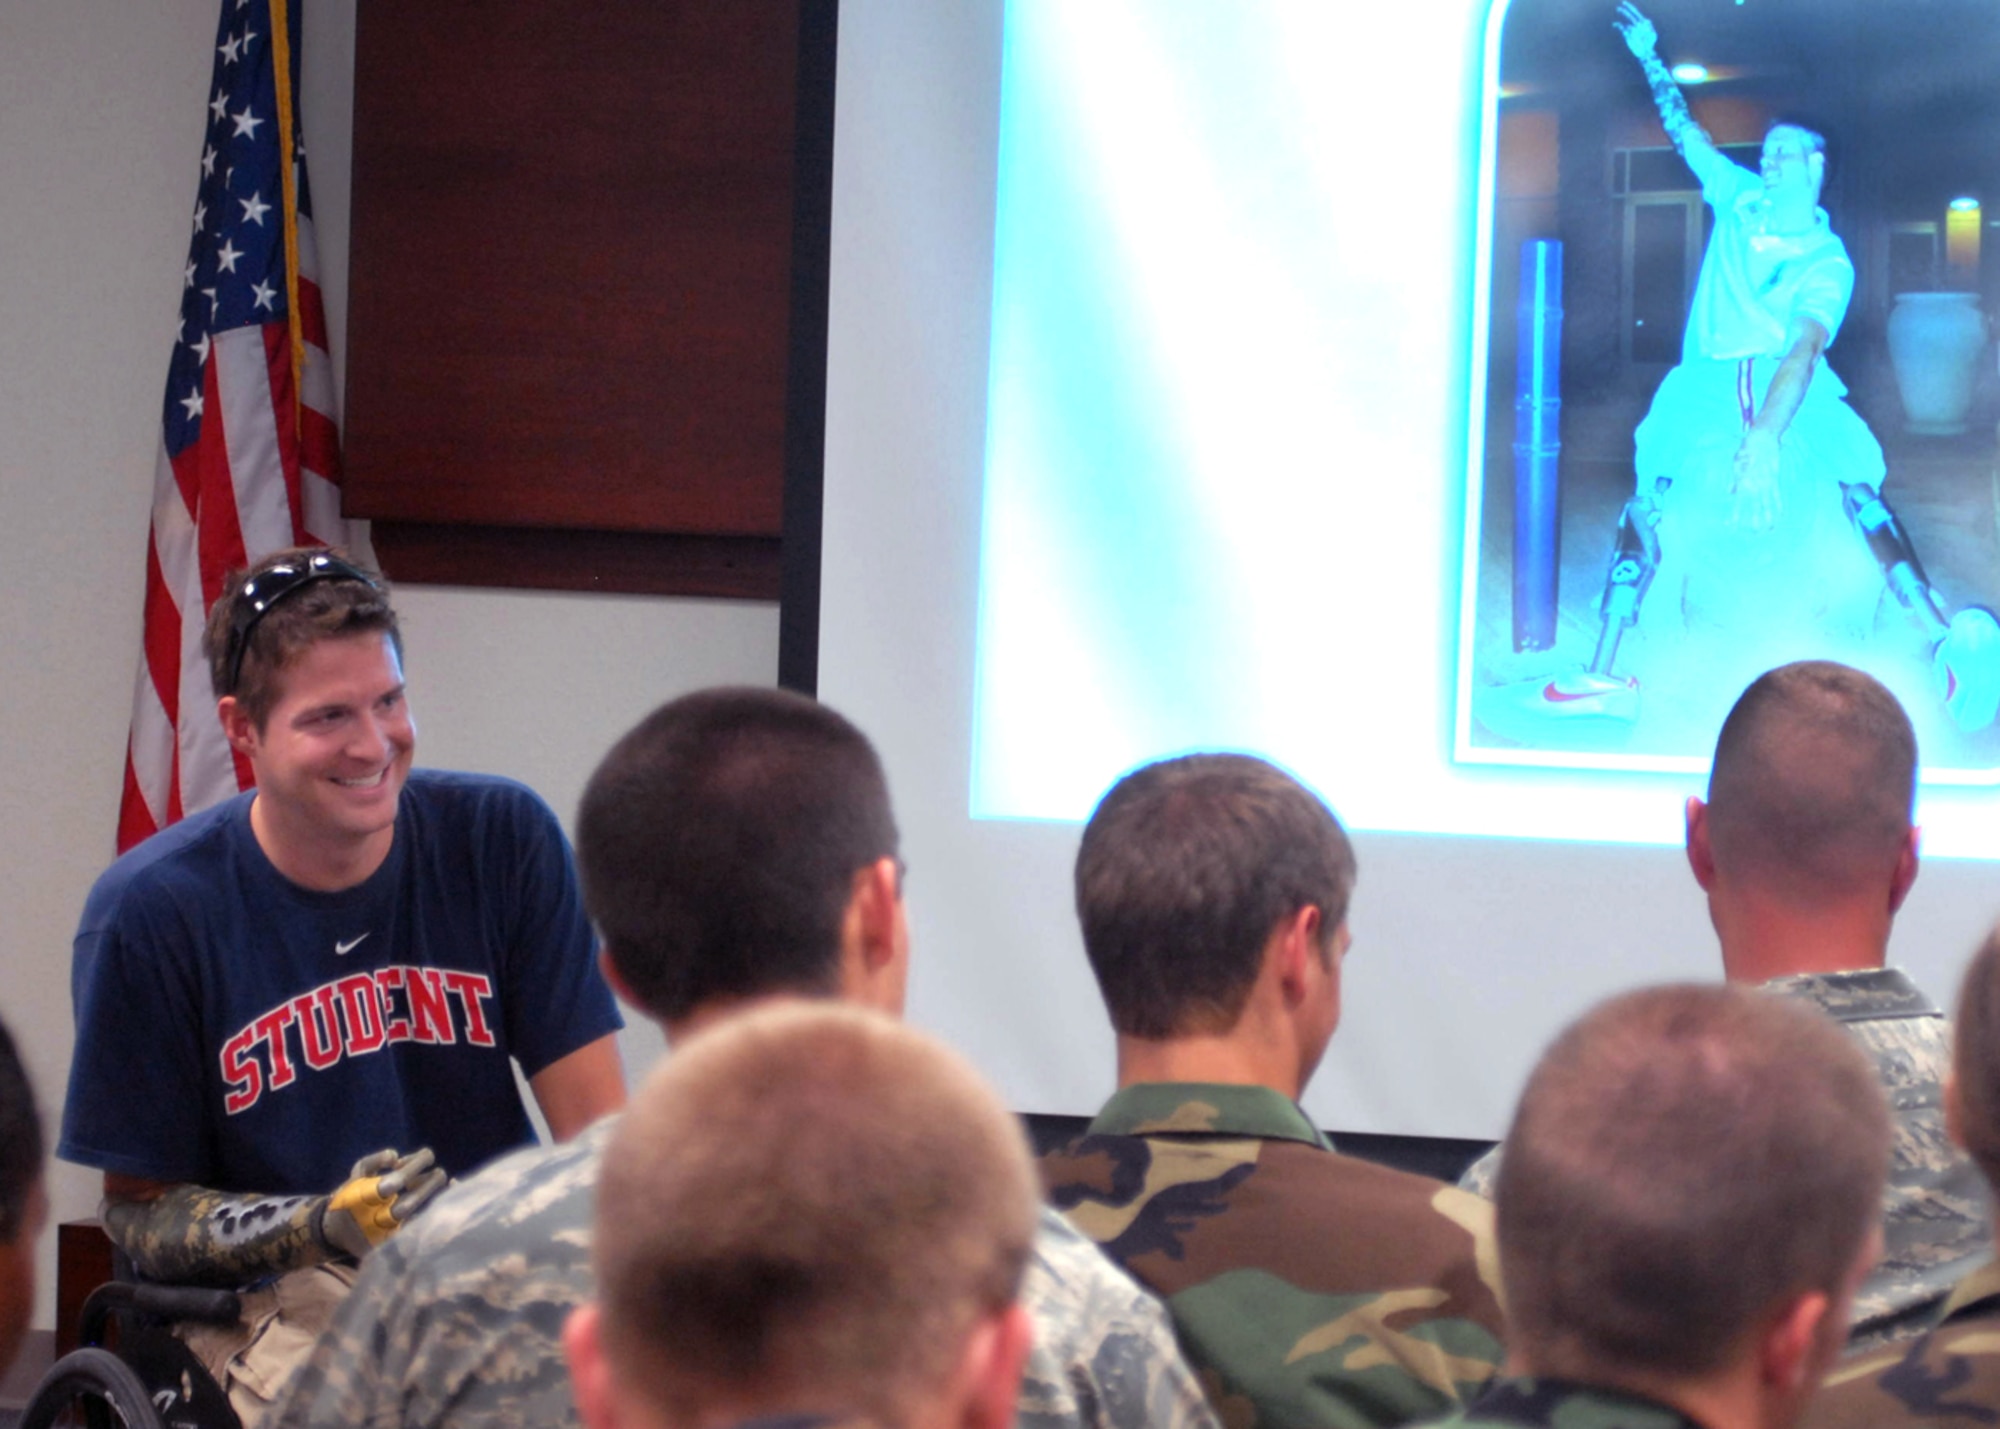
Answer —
341 950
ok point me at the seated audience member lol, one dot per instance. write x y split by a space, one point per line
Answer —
1805 850
351 957
1688 1200
736 846
811 1216
1309 1288
24 1204
1952 1374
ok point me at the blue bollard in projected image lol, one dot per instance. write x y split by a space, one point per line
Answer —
1537 446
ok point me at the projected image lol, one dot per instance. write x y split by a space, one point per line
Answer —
1739 399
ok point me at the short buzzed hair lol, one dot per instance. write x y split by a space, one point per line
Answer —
1684 1160
1184 872
1813 782
20 1142
1975 1058
808 1203
717 845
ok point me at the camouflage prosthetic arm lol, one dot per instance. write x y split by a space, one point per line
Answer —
196 1236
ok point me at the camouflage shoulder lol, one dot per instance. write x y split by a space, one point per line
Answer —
1950 1376
1277 1354
1105 1353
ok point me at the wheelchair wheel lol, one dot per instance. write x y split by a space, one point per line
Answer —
97 1384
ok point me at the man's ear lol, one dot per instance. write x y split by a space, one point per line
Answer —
874 938
237 726
1300 951
589 1373
1954 1109
988 1381
1790 1354
1906 870
878 902
1700 854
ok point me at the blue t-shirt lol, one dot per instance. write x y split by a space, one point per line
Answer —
237 1031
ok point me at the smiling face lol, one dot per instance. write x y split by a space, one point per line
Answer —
331 759
1792 162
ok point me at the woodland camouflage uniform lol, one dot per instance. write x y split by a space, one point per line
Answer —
1309 1288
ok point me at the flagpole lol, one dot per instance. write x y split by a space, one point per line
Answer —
281 61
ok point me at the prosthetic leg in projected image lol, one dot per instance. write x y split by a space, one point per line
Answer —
1774 286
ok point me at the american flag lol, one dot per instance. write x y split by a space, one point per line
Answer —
251 459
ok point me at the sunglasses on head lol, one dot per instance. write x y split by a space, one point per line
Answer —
274 585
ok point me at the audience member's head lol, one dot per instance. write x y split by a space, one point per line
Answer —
809 1209
1808 812
738 843
1690 1193
1196 878
267 616
1972 1097
23 1204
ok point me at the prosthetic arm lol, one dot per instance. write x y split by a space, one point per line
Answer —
195 1235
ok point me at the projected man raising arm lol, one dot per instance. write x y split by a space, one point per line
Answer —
1774 287
1749 436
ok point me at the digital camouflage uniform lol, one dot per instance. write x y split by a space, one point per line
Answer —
1936 1225
457 1318
1559 1404
1309 1288
1949 1376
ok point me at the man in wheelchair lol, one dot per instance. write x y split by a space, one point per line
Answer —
298 1012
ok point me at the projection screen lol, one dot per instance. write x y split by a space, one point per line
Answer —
1172 403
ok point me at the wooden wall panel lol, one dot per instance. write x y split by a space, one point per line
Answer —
571 281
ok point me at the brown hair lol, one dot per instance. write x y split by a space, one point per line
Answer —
808 1200
1684 1160
1813 782
717 845
328 609
1185 869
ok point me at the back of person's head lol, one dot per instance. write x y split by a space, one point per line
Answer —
268 615
1813 782
1975 1060
718 842
810 1208
1186 868
1685 1162
22 1205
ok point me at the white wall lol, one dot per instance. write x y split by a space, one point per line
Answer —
101 109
